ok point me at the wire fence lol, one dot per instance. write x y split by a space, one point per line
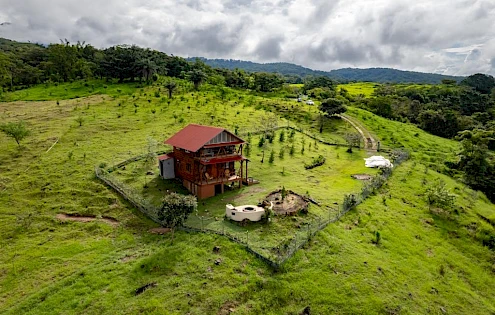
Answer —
277 256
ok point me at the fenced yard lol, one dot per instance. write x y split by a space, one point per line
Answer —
330 187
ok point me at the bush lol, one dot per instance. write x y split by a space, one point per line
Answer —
349 202
437 195
318 161
261 142
272 157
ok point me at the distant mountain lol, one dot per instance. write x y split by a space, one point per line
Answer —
381 75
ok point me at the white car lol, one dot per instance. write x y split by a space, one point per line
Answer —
310 102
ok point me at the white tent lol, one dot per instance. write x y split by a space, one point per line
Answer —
377 161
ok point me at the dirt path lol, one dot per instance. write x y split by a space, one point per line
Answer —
369 141
67 217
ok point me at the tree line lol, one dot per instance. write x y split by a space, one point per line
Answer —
24 64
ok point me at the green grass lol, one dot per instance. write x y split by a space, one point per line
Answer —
427 260
327 184
359 88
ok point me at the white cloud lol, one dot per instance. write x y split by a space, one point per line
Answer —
450 37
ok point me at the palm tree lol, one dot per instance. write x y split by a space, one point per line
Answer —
147 68
196 77
170 85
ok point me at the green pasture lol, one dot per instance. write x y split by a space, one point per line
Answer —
428 261
359 88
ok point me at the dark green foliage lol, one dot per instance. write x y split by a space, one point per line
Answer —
474 161
291 150
378 238
319 82
170 85
261 142
480 82
16 130
283 193
282 136
349 202
271 159
332 106
381 75
175 209
197 77
318 161
437 195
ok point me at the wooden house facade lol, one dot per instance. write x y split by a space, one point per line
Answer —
206 159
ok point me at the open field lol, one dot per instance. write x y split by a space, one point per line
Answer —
364 88
427 261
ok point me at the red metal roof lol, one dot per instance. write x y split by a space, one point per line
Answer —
222 159
166 156
193 137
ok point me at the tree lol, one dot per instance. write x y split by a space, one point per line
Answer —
353 140
474 160
197 77
480 82
170 85
319 82
175 209
16 130
332 106
382 106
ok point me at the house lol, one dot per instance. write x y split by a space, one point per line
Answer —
206 159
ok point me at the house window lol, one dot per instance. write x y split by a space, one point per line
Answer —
188 167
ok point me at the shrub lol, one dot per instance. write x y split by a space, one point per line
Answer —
349 202
318 161
16 130
438 195
261 142
291 150
272 157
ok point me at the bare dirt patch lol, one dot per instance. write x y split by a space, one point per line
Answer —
227 308
362 176
85 219
290 205
160 230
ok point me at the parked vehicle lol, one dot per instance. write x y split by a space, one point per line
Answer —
310 102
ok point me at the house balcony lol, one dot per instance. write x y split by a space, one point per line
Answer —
208 160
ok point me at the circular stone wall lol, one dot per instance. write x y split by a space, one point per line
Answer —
291 205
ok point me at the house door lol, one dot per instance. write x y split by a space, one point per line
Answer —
218 189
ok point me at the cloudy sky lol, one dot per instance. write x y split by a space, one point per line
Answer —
444 36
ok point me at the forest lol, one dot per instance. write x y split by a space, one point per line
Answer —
24 64
298 73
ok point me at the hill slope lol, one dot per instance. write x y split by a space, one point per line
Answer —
426 262
380 75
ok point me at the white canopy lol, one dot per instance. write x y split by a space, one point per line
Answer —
377 161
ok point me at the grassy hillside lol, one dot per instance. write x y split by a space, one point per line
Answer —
428 261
